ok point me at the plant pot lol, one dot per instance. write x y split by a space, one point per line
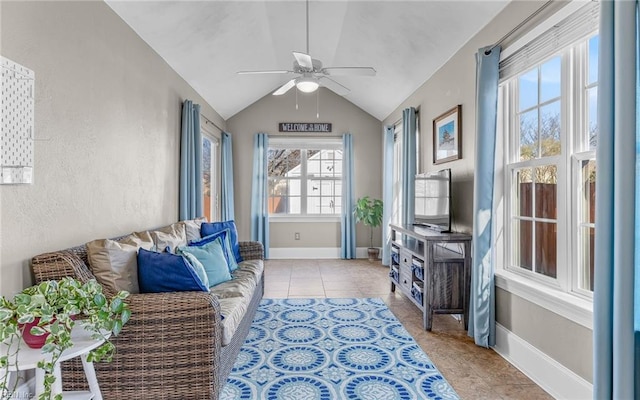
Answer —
373 253
33 341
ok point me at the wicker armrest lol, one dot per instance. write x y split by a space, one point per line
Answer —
59 264
170 345
251 250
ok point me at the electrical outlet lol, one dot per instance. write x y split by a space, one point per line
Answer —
297 235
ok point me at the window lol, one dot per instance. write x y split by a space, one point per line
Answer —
210 173
305 179
549 109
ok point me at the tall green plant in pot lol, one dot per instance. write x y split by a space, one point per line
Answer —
369 212
51 309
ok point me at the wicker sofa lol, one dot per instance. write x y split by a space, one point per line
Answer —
172 346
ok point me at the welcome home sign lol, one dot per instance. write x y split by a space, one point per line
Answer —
304 127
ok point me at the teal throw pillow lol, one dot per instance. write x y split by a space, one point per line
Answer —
211 256
198 268
225 235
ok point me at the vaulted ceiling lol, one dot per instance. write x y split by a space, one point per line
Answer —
207 42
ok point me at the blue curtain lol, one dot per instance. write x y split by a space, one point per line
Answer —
348 221
482 323
387 193
190 163
226 210
259 192
616 299
408 165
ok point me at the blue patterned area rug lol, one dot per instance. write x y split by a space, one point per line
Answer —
312 349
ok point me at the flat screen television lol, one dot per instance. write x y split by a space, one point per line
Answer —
433 200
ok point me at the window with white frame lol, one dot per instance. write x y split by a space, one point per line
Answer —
305 177
210 173
549 97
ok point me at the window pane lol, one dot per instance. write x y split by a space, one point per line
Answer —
550 129
546 248
546 186
593 59
588 200
592 94
528 88
529 135
550 73
206 177
585 249
283 162
523 195
522 244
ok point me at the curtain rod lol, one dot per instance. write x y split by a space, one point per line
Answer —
209 122
517 27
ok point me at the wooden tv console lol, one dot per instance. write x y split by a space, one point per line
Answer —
432 269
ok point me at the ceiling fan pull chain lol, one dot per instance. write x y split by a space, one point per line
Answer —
317 104
296 97
308 27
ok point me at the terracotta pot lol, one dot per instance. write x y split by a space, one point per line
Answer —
373 253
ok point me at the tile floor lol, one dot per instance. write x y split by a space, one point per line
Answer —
474 372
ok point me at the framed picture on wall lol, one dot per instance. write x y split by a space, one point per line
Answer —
447 136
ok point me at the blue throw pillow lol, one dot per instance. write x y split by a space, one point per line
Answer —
211 256
166 272
209 228
198 268
224 236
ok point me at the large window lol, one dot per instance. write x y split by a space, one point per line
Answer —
305 179
551 126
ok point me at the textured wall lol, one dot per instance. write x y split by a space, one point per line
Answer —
454 84
107 119
263 116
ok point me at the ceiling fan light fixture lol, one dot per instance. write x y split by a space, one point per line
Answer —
307 85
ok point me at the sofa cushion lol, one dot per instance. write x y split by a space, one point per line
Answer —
172 236
224 236
209 228
212 258
166 272
114 263
235 295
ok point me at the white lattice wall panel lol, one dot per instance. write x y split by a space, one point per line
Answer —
16 146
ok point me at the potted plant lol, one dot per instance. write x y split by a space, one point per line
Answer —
51 309
369 212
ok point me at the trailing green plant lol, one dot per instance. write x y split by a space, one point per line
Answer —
58 304
369 212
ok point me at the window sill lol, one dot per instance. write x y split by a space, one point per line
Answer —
564 304
304 218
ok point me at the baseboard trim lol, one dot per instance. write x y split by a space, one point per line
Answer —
311 252
559 381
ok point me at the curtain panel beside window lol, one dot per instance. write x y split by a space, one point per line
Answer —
191 202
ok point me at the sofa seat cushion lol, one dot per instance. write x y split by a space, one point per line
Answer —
235 295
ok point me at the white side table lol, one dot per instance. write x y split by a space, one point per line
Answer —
27 358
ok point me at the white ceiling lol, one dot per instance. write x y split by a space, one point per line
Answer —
207 42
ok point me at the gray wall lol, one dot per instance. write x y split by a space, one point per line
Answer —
107 112
263 116
566 342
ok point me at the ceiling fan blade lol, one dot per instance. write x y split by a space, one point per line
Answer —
334 86
285 88
361 71
304 60
275 71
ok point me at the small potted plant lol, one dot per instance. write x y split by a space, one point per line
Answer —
369 212
50 310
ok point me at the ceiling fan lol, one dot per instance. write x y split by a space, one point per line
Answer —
312 74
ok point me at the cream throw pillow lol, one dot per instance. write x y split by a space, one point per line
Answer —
115 263
193 229
173 236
